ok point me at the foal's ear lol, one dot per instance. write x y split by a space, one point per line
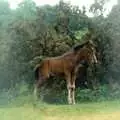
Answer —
92 43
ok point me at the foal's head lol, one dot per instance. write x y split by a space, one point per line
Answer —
86 53
92 54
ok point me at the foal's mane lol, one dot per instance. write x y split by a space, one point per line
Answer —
77 47
86 43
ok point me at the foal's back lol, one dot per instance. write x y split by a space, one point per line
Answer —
58 65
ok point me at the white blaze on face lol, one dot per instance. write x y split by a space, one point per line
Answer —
94 58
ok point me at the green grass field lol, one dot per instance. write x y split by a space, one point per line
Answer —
84 111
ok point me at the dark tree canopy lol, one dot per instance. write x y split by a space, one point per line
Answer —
30 33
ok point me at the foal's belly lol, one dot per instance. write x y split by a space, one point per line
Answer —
56 67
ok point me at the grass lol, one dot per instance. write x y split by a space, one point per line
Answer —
108 110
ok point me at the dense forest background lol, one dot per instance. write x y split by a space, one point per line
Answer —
30 33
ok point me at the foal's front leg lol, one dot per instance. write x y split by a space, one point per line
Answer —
73 88
69 94
68 78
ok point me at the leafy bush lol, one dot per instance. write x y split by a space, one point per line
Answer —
101 94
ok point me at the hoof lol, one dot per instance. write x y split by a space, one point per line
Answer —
70 103
73 103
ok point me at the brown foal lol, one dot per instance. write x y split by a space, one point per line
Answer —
67 65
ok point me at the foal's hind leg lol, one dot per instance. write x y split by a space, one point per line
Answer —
38 84
36 89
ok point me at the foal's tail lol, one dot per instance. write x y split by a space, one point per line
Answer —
41 70
36 71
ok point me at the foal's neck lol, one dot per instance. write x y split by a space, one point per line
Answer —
79 58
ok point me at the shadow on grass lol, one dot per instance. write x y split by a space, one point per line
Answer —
28 100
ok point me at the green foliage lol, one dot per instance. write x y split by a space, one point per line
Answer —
103 93
37 32
21 95
30 33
